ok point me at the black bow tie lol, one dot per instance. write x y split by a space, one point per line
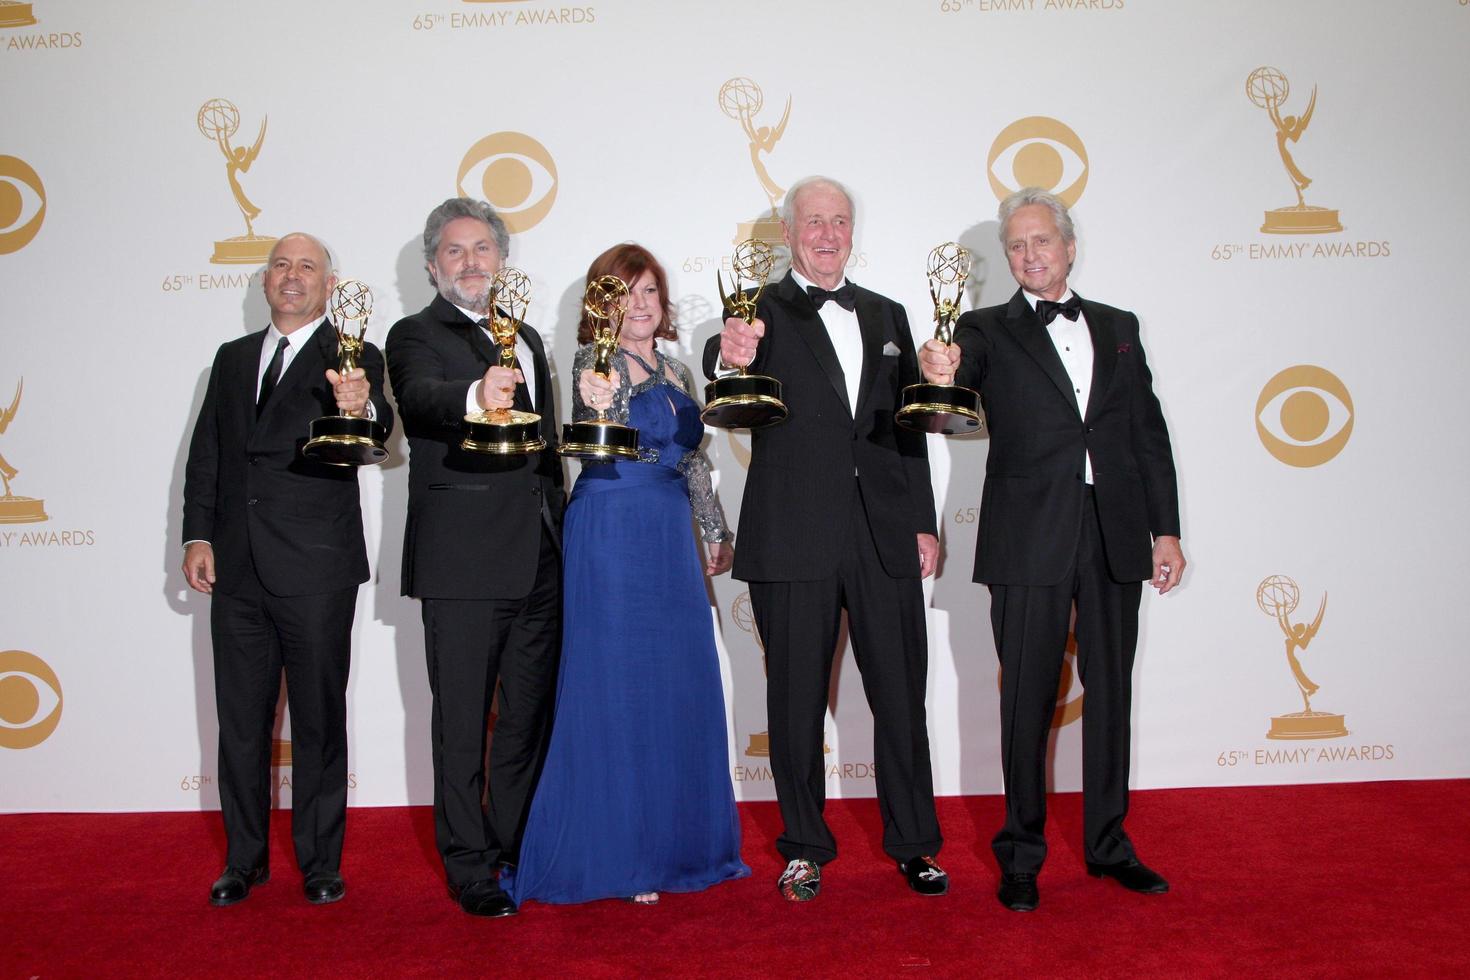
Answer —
1048 310
844 296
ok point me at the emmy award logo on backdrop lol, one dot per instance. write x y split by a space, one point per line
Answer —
1268 88
741 99
13 13
1277 596
13 509
759 746
218 120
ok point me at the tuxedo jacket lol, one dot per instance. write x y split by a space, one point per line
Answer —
250 493
800 494
474 520
1031 508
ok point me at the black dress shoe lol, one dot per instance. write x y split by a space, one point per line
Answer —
924 876
324 887
235 884
1018 892
486 898
1132 875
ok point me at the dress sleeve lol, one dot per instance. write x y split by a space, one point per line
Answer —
581 411
696 469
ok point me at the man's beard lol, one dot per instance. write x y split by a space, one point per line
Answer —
466 296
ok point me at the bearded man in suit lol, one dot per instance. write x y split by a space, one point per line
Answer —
838 514
1080 506
276 540
481 550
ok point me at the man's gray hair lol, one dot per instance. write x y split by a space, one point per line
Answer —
1035 195
788 206
463 207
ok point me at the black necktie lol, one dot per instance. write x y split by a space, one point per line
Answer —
272 375
1048 310
844 296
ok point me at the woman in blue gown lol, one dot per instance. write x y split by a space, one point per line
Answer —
635 795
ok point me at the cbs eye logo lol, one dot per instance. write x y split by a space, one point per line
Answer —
514 173
22 204
1038 151
1304 415
30 700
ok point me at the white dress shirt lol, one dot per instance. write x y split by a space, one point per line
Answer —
846 336
1073 342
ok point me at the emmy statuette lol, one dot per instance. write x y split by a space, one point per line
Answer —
948 409
744 401
602 438
348 440
505 431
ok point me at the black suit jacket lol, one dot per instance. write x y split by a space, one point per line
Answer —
474 520
249 491
1031 510
800 493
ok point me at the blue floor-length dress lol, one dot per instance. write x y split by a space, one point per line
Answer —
635 795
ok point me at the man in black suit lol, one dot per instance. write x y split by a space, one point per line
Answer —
276 540
838 514
481 550
1080 506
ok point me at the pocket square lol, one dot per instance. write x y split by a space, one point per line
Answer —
890 349
1124 348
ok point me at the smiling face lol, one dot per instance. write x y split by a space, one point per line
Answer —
465 263
298 277
1040 258
645 309
820 237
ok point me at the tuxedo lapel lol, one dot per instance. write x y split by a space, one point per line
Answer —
1104 352
1026 328
810 328
451 316
244 380
306 365
870 324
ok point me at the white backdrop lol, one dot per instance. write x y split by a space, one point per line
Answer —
596 124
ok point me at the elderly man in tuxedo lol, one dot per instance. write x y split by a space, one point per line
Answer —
481 551
1080 506
276 540
838 514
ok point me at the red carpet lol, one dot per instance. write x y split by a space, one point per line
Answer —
1366 879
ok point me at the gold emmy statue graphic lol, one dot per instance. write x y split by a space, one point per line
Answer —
1267 87
219 120
949 409
744 401
1277 596
604 302
13 13
759 746
348 440
13 509
505 431
741 99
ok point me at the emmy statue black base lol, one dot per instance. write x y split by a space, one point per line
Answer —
947 409
514 434
743 401
598 439
343 440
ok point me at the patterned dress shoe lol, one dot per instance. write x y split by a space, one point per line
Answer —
801 881
324 888
1132 875
235 884
1018 892
924 876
